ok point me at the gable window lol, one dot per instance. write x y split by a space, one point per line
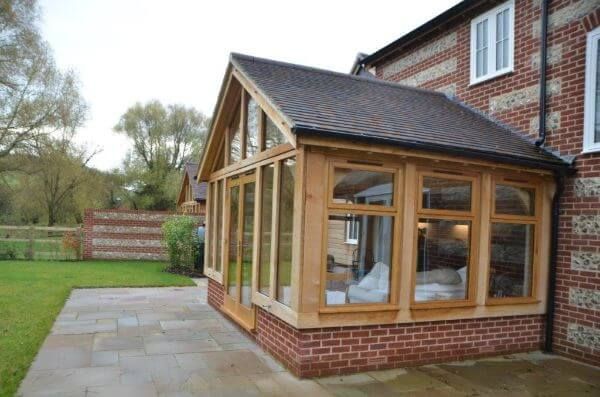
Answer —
492 43
591 137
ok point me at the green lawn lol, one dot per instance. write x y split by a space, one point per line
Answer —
33 293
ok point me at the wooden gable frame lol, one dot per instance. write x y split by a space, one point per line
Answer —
236 87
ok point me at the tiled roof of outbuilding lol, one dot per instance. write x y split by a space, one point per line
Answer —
198 189
326 103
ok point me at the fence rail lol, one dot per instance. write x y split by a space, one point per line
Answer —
40 242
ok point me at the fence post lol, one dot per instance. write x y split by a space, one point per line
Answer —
31 249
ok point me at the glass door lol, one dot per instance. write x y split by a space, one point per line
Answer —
238 298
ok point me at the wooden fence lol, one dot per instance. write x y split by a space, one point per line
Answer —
39 242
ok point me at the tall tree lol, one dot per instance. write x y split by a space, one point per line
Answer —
36 98
164 139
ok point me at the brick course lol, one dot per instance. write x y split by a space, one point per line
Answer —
345 350
512 99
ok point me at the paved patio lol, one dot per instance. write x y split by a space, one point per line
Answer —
169 342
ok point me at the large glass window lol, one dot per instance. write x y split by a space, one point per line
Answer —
219 226
512 240
355 186
444 235
359 273
252 127
492 42
266 197
591 138
511 260
443 259
232 267
360 236
285 232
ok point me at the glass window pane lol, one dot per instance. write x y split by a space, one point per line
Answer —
442 259
252 128
233 242
285 233
597 96
247 244
219 227
235 143
359 273
511 262
264 270
446 194
363 187
211 210
273 135
514 200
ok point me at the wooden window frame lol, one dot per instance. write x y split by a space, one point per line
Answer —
394 211
534 220
473 216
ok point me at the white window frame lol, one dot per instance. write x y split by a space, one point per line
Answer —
591 70
352 225
491 18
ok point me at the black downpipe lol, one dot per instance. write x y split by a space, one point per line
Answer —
543 51
553 258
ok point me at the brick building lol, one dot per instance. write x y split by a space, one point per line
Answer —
416 210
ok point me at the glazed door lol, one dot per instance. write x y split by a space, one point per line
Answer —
238 296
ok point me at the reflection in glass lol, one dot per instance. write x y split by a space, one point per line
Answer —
511 262
442 259
264 269
235 145
247 244
359 273
232 269
363 187
219 226
514 200
446 194
286 228
273 135
252 128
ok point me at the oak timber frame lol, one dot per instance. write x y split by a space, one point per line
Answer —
315 158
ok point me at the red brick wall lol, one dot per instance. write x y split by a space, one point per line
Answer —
344 350
123 234
216 294
577 325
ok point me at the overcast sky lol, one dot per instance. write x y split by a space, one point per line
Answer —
176 51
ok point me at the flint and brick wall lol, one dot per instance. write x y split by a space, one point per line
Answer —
345 350
441 61
124 234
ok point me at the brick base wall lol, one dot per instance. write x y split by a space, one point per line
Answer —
216 294
345 350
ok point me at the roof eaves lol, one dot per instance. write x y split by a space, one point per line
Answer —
425 146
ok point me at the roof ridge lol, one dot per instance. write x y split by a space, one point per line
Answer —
375 80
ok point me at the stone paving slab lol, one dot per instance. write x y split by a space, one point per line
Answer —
169 342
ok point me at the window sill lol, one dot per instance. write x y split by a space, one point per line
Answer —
511 301
350 308
441 305
591 150
484 79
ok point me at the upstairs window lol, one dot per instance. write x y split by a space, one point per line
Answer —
492 43
591 137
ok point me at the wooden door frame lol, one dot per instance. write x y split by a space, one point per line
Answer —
243 315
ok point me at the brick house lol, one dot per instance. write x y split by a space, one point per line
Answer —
415 210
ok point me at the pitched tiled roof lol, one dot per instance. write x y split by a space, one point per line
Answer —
333 104
198 189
